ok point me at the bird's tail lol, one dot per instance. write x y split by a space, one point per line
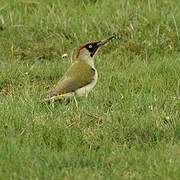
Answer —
60 97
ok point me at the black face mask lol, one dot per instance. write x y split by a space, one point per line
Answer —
92 47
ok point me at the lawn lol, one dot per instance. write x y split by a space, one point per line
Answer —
128 127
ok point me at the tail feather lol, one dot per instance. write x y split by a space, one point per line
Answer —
60 97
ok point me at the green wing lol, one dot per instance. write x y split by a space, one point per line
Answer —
78 75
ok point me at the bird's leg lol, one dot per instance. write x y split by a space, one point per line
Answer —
76 101
86 93
52 103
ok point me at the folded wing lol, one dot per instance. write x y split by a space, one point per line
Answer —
79 75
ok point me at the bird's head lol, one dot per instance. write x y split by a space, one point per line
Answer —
87 52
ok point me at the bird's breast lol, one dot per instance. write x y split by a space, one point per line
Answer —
84 91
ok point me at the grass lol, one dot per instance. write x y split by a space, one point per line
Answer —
127 128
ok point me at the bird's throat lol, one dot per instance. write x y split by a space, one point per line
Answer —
90 61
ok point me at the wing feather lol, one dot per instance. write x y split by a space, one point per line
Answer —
79 75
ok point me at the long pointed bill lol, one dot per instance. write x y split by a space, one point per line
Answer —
99 44
103 42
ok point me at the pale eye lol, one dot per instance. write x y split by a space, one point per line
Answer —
90 46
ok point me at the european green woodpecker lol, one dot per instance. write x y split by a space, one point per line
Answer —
81 77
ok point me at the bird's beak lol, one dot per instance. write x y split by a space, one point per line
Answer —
105 41
100 44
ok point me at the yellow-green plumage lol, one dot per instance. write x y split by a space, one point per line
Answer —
78 75
81 77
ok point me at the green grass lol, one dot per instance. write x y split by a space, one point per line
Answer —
128 127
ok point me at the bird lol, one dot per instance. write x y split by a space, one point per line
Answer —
81 77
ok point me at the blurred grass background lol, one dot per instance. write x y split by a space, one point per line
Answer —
128 127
